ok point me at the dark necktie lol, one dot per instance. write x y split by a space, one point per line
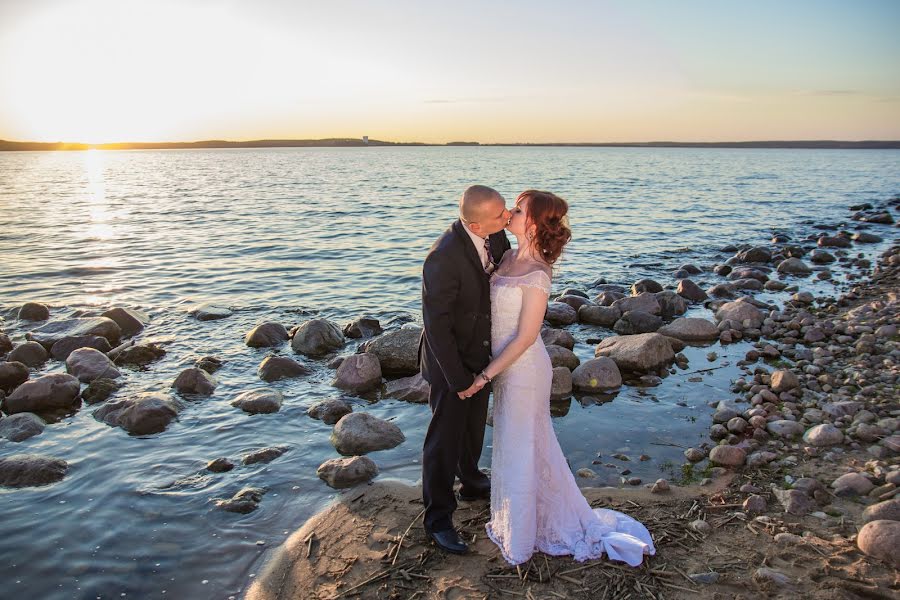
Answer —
489 266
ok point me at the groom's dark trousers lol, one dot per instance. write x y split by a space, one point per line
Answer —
455 346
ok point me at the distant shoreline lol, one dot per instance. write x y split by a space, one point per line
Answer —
359 143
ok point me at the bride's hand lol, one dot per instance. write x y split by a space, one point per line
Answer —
472 389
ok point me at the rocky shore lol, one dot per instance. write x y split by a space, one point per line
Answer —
797 484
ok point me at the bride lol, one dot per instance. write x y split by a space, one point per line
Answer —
535 502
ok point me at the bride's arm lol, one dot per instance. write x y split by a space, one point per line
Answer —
534 306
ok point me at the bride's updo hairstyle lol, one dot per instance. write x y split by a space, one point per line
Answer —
548 212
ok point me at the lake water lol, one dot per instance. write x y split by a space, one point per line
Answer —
286 234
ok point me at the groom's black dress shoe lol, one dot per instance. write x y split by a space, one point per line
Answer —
449 541
471 495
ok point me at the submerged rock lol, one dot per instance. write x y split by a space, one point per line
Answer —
266 335
263 455
139 355
130 321
317 337
259 401
21 426
52 332
49 392
210 312
245 501
329 411
361 433
194 381
67 345
409 389
26 470
143 414
274 368
358 373
88 364
397 351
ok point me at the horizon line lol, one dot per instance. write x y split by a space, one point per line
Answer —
9 145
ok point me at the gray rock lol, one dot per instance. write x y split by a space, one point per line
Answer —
705 578
5 344
50 333
670 304
30 354
821 257
130 321
794 502
694 455
557 337
691 291
560 313
273 368
48 392
21 426
794 266
561 386
263 455
358 373
754 504
143 414
341 473
824 434
833 242
409 389
194 381
210 312
691 330
329 411
636 321
645 285
219 465
266 335
889 510
740 311
754 255
259 401
728 456
397 351
139 355
99 390
88 364
12 375
608 297
317 337
660 486
881 539
210 364
604 316
641 353
765 575
562 357
32 311
701 527
361 433
61 349
854 483
245 501
843 408
26 470
597 374
363 327
758 459
575 301
784 428
645 302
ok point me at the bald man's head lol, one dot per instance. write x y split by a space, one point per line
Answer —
483 210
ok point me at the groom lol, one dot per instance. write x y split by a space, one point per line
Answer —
454 348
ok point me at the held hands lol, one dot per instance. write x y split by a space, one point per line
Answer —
473 389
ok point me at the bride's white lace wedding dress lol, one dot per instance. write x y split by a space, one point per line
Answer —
535 502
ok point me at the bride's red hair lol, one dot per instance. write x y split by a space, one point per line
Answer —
548 213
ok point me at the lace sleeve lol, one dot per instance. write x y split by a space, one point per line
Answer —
536 279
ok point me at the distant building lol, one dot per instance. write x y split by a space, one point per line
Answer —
366 140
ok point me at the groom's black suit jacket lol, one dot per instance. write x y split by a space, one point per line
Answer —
456 308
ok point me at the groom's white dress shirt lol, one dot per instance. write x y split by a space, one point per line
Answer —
479 246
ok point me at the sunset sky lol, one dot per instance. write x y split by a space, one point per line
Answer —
569 71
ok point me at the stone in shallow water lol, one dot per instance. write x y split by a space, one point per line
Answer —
210 364
130 321
30 354
259 401
88 364
362 327
219 465
360 433
52 332
358 373
273 368
33 311
139 354
397 351
144 414
12 374
263 455
245 501
266 335
99 390
317 337
329 411
209 312
21 426
562 357
49 392
194 381
409 389
25 470
596 374
342 473
641 353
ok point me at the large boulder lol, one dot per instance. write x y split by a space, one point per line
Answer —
783 380
50 333
194 381
784 428
130 321
12 374
341 473
358 373
562 357
740 311
637 353
329 411
824 434
144 414
397 351
881 539
139 354
728 456
561 386
273 368
560 313
25 470
670 304
21 426
889 510
49 392
88 364
259 401
317 337
794 266
266 335
637 321
596 374
30 354
605 316
645 302
61 349
409 389
360 433
645 285
690 329
557 337
33 311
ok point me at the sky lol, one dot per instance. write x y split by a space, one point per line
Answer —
425 71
